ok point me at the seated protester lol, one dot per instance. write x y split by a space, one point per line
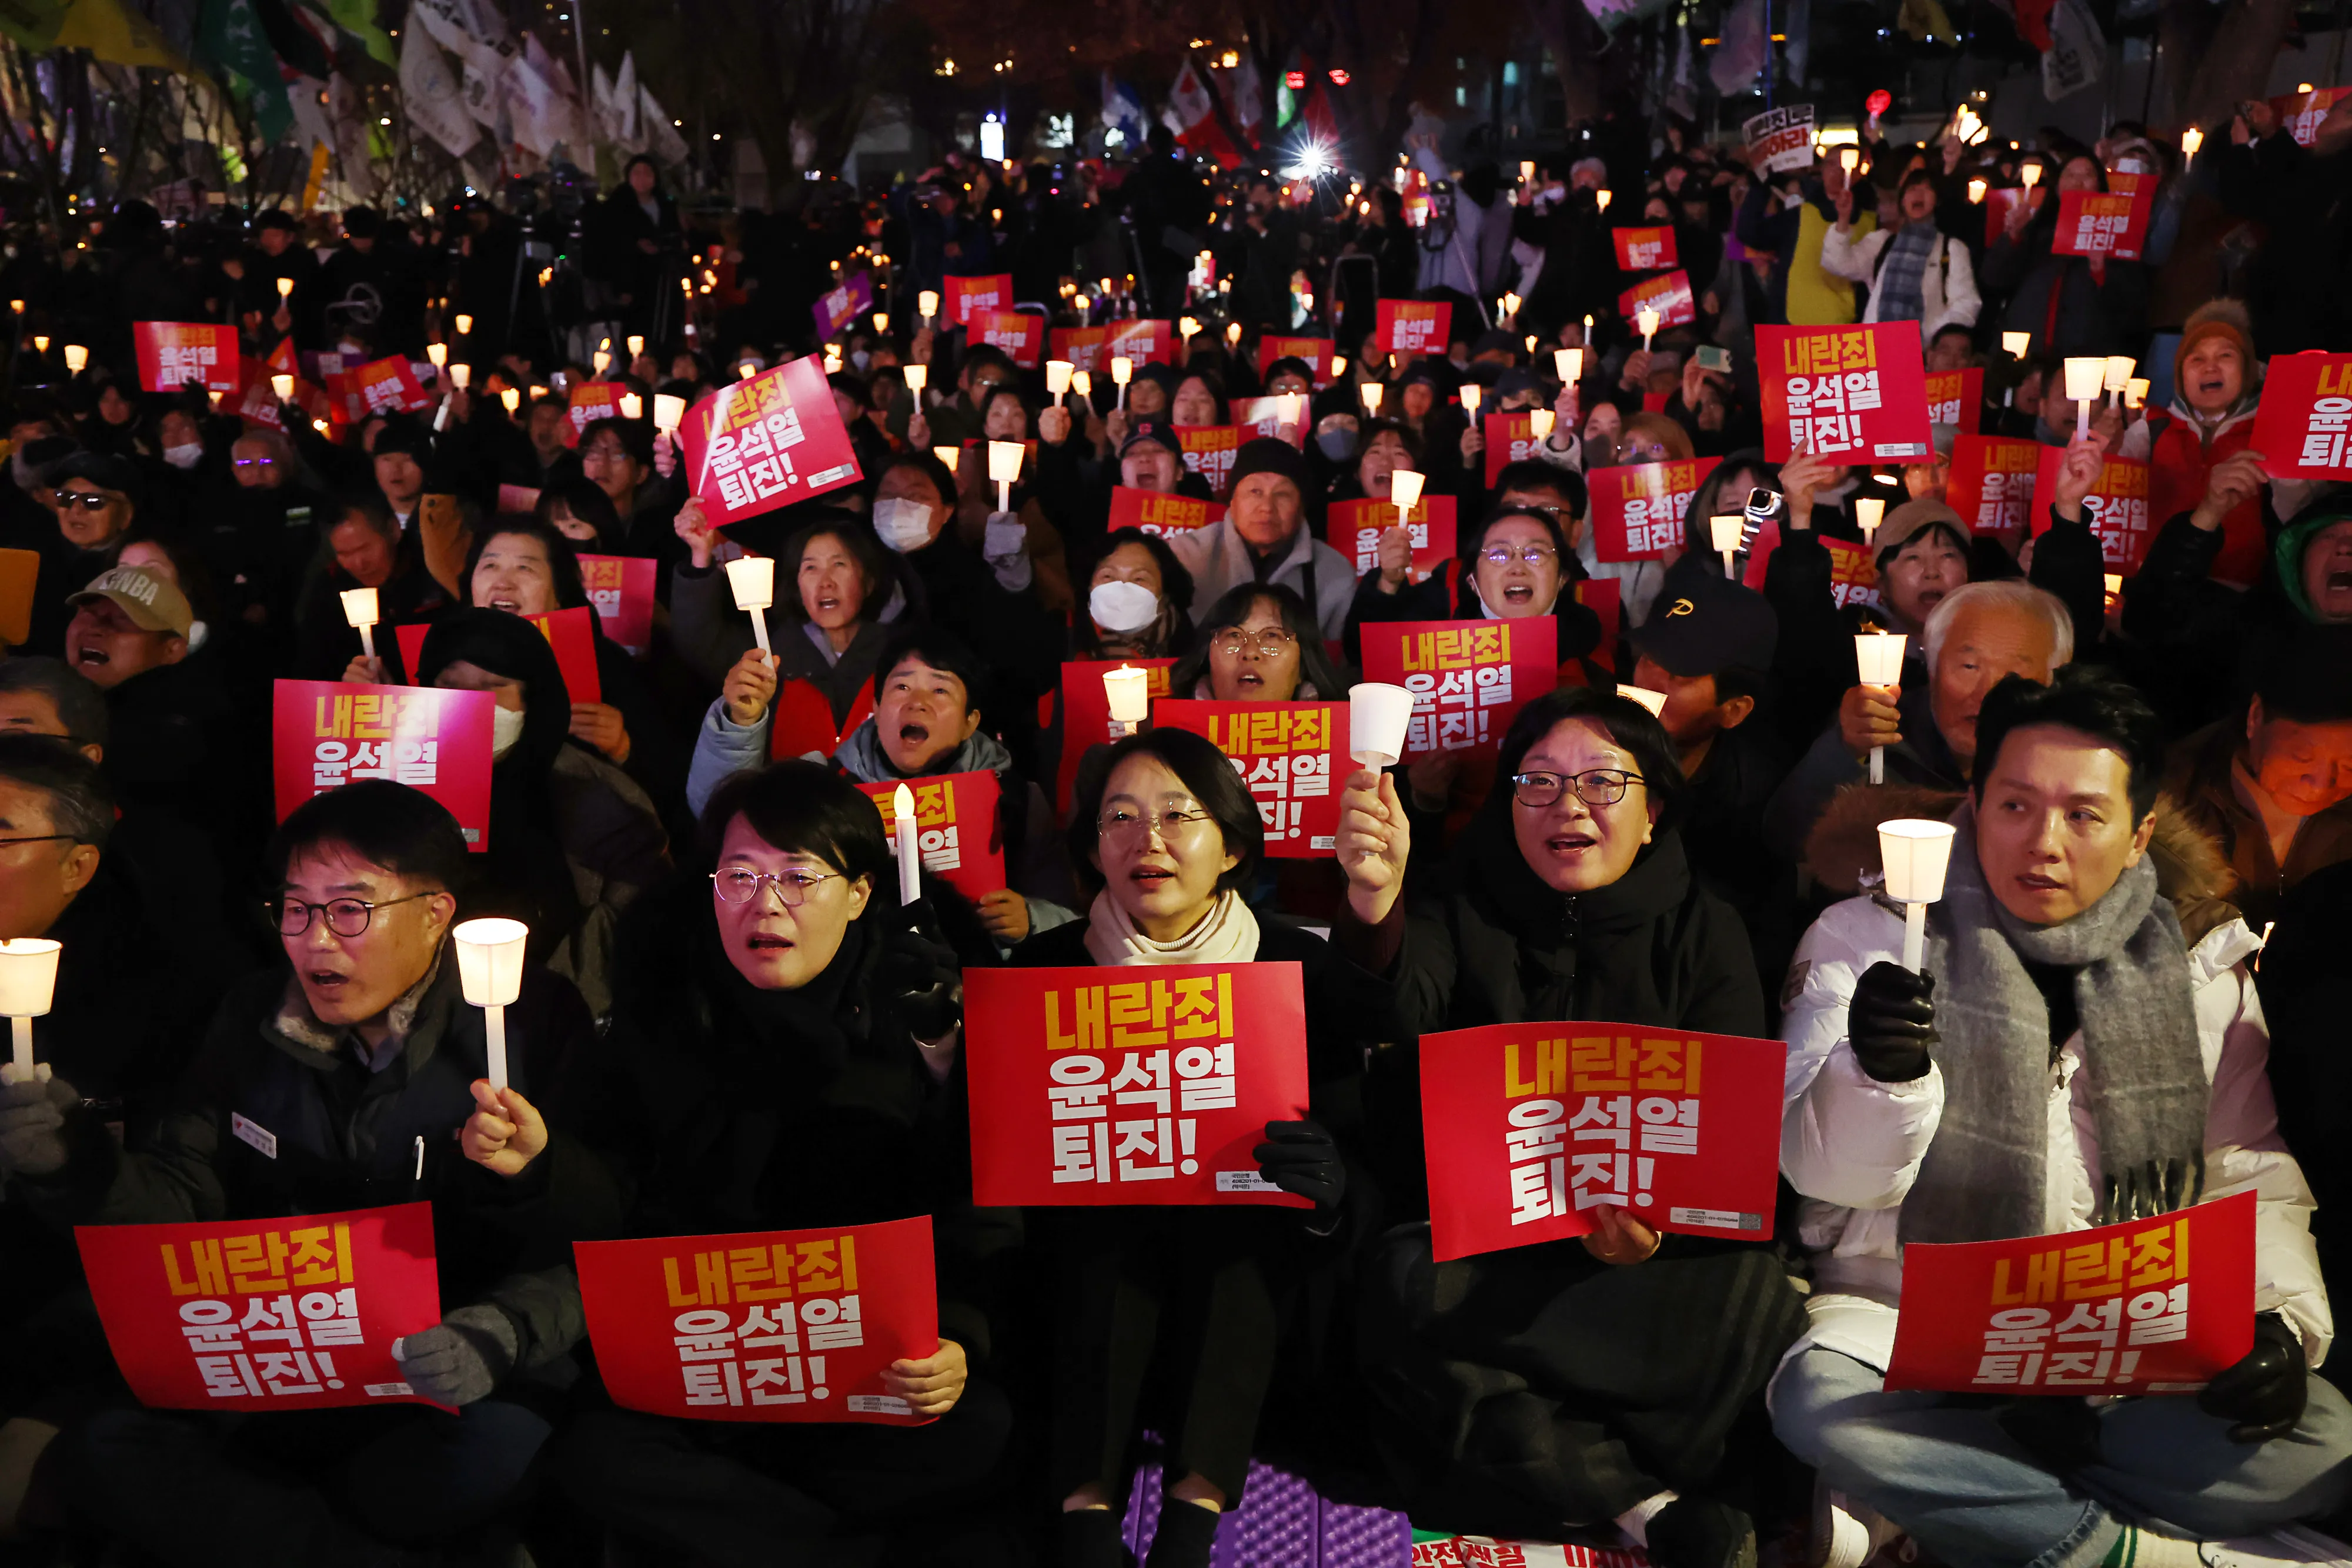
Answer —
1289 374
1199 398
583 514
94 498
1258 645
172 741
1974 637
926 722
365 548
2211 420
1520 1391
1075 488
1189 1298
616 456
358 1061
2273 791
1955 1105
573 840
786 1040
1264 538
1139 602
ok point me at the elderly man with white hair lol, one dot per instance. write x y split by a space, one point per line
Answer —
1976 635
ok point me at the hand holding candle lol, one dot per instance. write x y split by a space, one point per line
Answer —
490 971
1646 320
1878 657
1377 717
2083 377
1128 691
903 838
1404 491
1916 853
754 580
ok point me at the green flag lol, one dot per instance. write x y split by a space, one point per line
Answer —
357 17
230 38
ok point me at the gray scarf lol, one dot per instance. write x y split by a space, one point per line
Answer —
1985 1174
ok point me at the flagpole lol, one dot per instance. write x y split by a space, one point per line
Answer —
587 103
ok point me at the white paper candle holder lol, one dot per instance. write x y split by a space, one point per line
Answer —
490 971
1377 717
1916 853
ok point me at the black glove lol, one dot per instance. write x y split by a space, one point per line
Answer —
2146 1191
1891 1022
1299 1157
32 1124
924 976
2262 1394
461 1358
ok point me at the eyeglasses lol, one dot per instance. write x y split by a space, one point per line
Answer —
740 885
1504 555
87 500
1273 642
254 461
36 837
1125 825
1594 786
345 916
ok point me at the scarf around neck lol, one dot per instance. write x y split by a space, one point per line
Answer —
1902 273
1228 936
1985 1176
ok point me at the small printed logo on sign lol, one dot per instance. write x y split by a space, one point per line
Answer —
1717 1218
1243 1181
255 1133
1898 449
389 1391
1322 841
879 1405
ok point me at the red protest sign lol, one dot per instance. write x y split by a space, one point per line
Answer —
387 386
1603 596
1853 573
958 831
752 446
1161 512
325 734
1529 1126
1266 415
1856 393
2117 508
1209 450
771 1325
1668 294
253 1314
1145 342
588 403
837 308
621 591
1990 482
1086 713
1956 397
1288 754
1083 347
2301 428
1410 326
966 298
2300 112
1637 508
1354 527
258 403
2090 223
2141 189
174 354
1779 141
1021 335
1644 250
1998 205
569 633
517 500
1316 351
1086 1089
2151 1306
1511 438
1468 678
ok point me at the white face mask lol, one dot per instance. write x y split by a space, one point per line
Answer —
187 456
1122 606
506 731
903 525
860 357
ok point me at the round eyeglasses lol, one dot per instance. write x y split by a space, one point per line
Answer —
1594 786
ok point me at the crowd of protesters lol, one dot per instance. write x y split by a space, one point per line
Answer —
731 1021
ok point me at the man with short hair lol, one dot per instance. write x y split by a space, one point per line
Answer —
2074 1052
402 449
96 497
982 368
128 622
1264 538
41 695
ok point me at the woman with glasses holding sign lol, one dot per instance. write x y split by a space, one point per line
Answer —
1587 1383
1193 1299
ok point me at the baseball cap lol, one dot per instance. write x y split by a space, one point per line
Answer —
1150 432
1896 529
1710 625
152 601
103 469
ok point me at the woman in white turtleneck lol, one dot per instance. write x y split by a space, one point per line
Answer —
1167 833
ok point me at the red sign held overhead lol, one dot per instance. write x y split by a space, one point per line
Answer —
171 354
1468 678
1668 294
588 403
1161 512
1356 528
1210 450
1021 335
570 634
2093 223
1644 250
1637 508
621 591
969 296
1288 754
1855 394
1991 483
2304 427
1410 326
1316 351
754 445
326 733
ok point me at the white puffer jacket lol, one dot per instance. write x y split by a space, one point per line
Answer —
1851 1146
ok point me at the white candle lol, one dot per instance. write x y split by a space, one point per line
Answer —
1654 701
1724 530
1976 192
949 456
1646 320
285 287
283 385
902 828
465 326
28 983
2136 392
1128 691
1378 717
360 610
438 353
1122 371
2030 174
929 302
1003 468
632 406
76 358
1404 491
1878 659
1371 392
2015 344
1083 383
636 346
754 580
1916 853
917 377
2190 140
1058 377
669 412
512 398
2084 379
1539 422
462 374
1868 512
1602 198
2119 376
1470 395
490 971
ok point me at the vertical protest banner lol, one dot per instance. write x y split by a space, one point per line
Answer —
326 733
958 831
1411 326
1021 335
752 446
1161 512
1147 341
587 403
1644 250
570 634
1086 713
2149 1306
1210 450
772 1325
621 591
1779 141
1855 394
1083 347
843 304
1288 754
1530 1126
1468 678
1991 483
1637 508
1668 294
965 297
1354 529
265 1315
1511 438
385 386
2090 223
2304 425
174 354
1956 398
2116 508
1316 351
1090 1090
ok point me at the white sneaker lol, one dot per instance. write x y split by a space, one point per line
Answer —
1846 1534
2300 1548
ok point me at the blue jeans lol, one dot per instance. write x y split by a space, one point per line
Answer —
1973 1497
